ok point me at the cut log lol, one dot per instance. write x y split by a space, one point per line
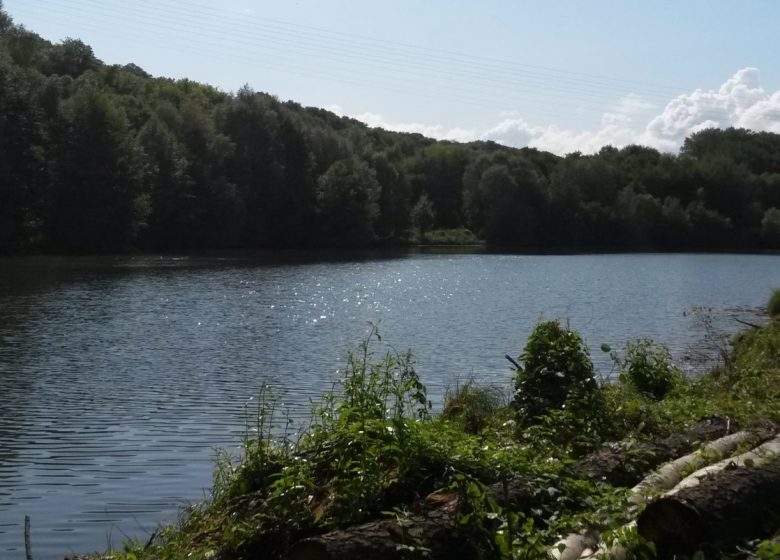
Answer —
609 551
574 546
718 514
671 473
391 539
761 454
516 494
623 466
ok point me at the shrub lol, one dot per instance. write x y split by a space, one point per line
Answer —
556 369
648 368
773 307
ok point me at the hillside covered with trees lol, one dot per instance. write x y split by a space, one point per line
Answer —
102 158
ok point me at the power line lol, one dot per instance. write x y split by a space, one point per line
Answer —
419 52
222 55
463 56
480 100
479 79
426 72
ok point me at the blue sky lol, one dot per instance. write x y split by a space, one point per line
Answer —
559 75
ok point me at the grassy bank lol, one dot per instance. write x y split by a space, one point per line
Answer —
457 236
375 451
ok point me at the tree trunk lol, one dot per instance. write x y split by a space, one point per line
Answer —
671 473
761 454
574 546
625 467
517 494
718 514
432 535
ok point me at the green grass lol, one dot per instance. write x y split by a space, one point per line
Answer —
473 404
458 236
375 450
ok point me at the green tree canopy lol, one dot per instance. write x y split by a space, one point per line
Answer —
348 201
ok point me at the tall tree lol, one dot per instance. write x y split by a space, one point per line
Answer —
348 199
71 58
96 178
21 158
173 215
5 20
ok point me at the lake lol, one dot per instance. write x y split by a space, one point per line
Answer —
121 376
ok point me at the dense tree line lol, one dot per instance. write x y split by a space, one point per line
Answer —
99 158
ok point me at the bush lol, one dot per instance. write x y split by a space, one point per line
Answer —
648 368
556 369
773 307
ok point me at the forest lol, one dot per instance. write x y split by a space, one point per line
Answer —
98 158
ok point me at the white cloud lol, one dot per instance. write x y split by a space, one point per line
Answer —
431 130
434 131
335 108
617 129
739 102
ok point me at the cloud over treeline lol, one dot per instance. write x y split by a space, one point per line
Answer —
739 102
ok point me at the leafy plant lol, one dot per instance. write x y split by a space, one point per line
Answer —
648 367
555 370
717 340
768 550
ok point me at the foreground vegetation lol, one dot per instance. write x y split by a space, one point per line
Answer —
505 470
101 158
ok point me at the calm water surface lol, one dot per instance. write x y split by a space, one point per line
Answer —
119 377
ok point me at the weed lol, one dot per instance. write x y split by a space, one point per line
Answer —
475 405
773 307
647 367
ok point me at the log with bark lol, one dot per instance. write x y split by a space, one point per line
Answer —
434 532
517 494
433 526
763 453
575 546
718 514
666 475
624 466
671 473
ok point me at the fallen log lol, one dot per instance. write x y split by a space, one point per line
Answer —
432 526
609 551
619 469
624 466
516 494
761 454
671 473
718 514
575 546
433 532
